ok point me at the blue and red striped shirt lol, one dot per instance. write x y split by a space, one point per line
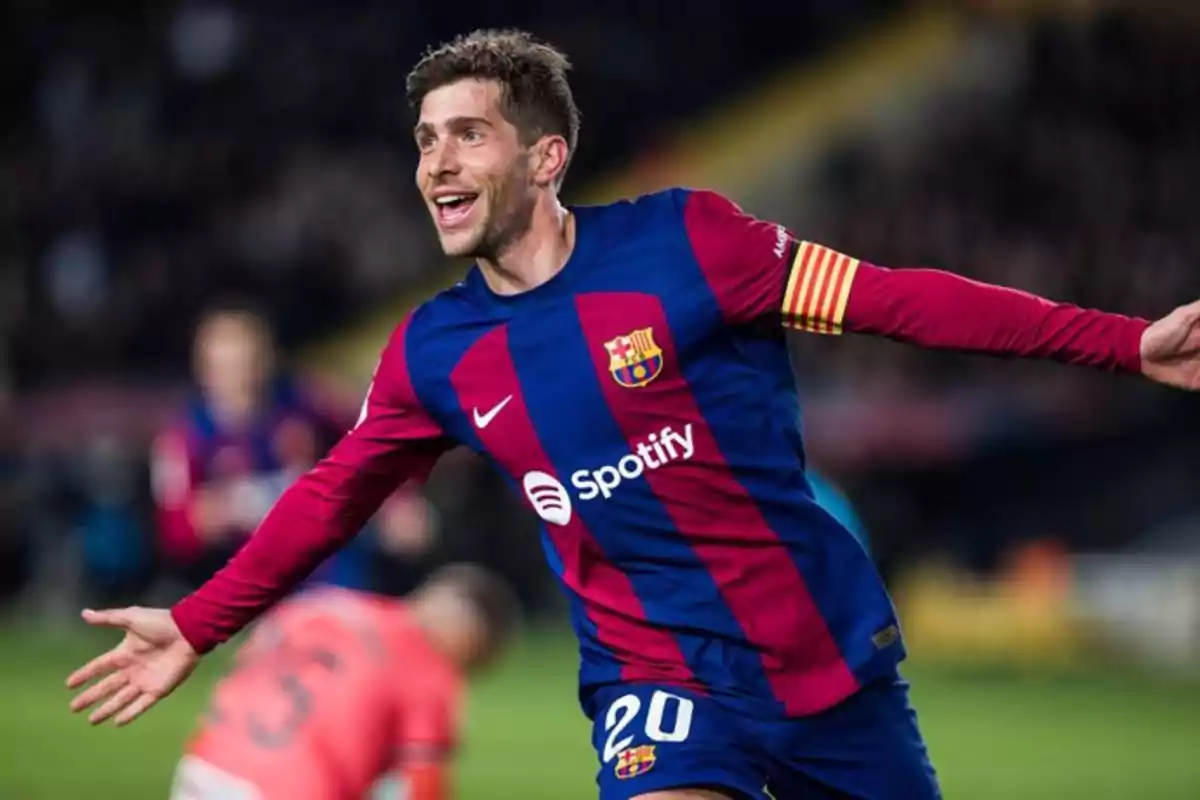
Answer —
642 402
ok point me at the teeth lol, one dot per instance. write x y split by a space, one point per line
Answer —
451 198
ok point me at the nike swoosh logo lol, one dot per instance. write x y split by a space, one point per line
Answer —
483 420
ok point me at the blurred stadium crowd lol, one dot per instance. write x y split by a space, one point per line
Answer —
165 155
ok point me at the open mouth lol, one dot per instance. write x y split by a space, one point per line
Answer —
452 209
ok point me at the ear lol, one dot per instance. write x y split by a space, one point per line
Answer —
550 155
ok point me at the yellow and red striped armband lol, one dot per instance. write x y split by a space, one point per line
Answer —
818 288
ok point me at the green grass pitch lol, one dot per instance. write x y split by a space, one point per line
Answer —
1098 736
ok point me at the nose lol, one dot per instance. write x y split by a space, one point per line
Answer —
442 161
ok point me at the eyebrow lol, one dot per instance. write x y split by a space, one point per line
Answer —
452 123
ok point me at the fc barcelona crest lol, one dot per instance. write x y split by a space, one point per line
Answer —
634 761
634 359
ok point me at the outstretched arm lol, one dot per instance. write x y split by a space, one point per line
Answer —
759 270
940 310
393 441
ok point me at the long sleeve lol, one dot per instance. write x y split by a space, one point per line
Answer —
940 310
394 440
759 270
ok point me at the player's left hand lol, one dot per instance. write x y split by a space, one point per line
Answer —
1171 348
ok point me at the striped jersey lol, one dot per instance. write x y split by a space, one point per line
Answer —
643 404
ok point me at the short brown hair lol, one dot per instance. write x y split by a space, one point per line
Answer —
536 96
488 593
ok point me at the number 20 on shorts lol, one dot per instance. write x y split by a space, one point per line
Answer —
625 709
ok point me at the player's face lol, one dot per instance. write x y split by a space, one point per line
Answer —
473 171
232 360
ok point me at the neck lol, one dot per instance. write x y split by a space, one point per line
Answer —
537 255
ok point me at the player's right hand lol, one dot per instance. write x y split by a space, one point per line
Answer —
145 667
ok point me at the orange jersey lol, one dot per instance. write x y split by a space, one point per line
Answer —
333 690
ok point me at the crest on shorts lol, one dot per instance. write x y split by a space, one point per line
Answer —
634 359
634 761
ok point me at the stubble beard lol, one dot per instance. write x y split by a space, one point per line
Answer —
509 216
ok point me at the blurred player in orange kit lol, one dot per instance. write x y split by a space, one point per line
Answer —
340 694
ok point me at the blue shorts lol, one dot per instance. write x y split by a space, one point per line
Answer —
651 738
